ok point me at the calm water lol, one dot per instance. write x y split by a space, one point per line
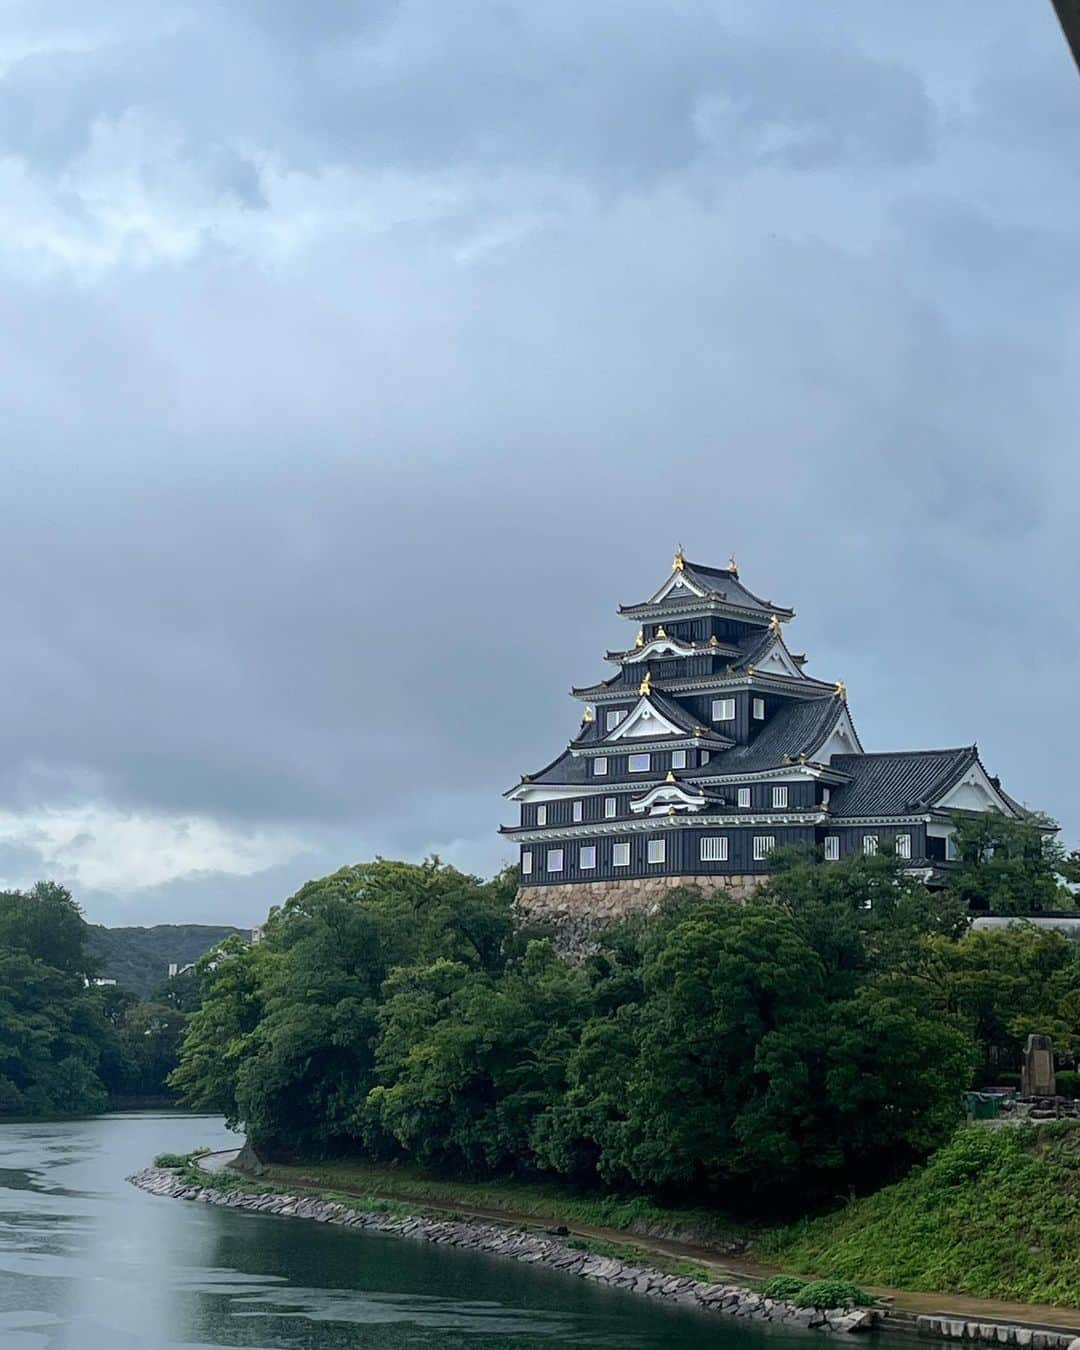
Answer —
87 1262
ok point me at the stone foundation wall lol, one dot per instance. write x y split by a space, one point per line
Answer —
577 910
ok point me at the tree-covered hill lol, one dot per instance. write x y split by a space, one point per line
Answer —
138 958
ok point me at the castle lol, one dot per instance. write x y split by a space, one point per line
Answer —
709 748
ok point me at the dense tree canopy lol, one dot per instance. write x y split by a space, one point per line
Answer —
820 1035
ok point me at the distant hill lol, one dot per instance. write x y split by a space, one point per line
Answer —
138 958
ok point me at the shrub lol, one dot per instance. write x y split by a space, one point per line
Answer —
786 1287
831 1294
1068 1083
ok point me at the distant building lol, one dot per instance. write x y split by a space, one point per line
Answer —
709 748
176 969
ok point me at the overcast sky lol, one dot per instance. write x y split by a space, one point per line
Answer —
356 360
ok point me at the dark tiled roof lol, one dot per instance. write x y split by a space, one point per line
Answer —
797 729
566 769
895 782
725 584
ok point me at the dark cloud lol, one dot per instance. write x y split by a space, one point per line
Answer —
356 361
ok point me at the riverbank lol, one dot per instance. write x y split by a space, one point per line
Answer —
652 1230
556 1250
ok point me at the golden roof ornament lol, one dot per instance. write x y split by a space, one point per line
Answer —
774 626
670 776
714 641
640 639
645 687
671 809
679 561
841 691
802 757
588 715
661 632
787 759
733 566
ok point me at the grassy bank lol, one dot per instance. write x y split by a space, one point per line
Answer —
996 1213
532 1201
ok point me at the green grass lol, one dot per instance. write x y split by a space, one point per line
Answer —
537 1202
995 1213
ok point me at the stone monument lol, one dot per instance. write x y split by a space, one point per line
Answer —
1037 1076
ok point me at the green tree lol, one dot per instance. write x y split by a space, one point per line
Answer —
1009 866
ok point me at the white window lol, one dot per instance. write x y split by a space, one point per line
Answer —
526 863
611 808
903 845
554 860
705 756
541 814
744 796
620 855
779 797
599 767
587 857
578 811
657 850
723 710
613 718
759 710
869 844
714 848
763 846
832 848
678 759
639 763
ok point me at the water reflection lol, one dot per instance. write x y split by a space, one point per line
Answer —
89 1263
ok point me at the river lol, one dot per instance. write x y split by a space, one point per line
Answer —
87 1262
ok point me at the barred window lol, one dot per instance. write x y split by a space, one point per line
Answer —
832 848
657 850
578 811
613 718
759 710
903 845
611 808
779 797
599 766
620 855
763 846
587 857
869 844
714 848
723 710
541 814
554 859
526 863
744 796
678 759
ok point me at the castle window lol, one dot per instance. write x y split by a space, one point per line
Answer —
705 756
678 759
554 860
611 808
869 844
587 857
759 710
903 845
763 846
620 855
714 848
779 798
744 796
599 767
657 850
832 848
526 864
578 811
541 814
723 710
612 720
639 763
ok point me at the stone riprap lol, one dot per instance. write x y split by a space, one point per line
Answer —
548 1249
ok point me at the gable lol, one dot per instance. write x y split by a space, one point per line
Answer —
974 792
777 661
678 582
661 799
644 721
842 740
661 647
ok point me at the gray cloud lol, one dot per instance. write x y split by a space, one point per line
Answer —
354 364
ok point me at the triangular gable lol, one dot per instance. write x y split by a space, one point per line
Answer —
644 721
974 792
841 740
777 660
678 582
